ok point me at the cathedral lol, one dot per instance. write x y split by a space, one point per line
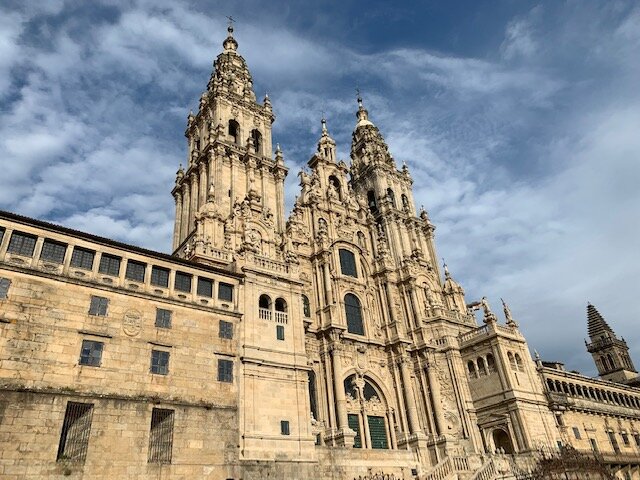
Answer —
326 344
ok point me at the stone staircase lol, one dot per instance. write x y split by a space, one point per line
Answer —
457 468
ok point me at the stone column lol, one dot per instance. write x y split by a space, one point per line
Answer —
327 280
186 202
330 396
279 179
412 409
178 222
435 395
338 388
194 200
202 197
415 306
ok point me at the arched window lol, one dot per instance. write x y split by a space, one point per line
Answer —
348 263
371 201
519 364
472 369
491 363
306 306
264 307
391 197
353 311
256 140
612 364
481 368
512 361
550 385
405 202
234 131
281 305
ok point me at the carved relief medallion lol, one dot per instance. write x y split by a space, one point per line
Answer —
132 323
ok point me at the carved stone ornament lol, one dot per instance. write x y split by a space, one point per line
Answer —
132 323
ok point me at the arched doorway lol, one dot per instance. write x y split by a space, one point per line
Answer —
368 414
501 441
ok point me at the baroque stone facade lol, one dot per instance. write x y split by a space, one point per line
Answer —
329 344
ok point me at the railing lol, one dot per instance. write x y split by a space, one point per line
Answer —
484 330
486 472
270 264
264 314
282 317
460 464
219 254
440 471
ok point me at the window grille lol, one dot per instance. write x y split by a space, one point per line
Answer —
91 353
183 282
5 283
159 277
348 263
280 332
163 318
74 438
225 292
82 258
225 371
353 310
226 329
354 424
161 436
53 251
377 432
205 287
159 362
284 427
22 244
98 306
135 271
109 265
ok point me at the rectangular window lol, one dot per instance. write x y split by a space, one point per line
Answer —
594 444
159 277
348 263
183 282
226 329
378 432
91 353
135 271
53 251
159 362
225 371
625 438
205 287
5 283
163 318
225 292
354 424
98 306
636 437
161 436
576 433
22 244
82 258
614 442
109 265
284 427
280 332
74 438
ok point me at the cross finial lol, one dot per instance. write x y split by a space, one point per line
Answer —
231 20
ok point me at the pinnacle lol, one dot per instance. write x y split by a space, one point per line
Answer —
597 325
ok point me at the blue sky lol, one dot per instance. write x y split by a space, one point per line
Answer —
519 122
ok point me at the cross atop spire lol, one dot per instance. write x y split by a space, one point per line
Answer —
230 43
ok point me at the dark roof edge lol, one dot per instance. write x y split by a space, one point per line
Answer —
112 243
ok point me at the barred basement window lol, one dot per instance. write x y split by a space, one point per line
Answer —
5 283
22 244
98 306
159 362
161 436
183 282
110 265
280 332
159 277
348 263
284 427
53 251
225 371
74 438
135 271
163 318
226 330
205 287
225 292
82 258
91 353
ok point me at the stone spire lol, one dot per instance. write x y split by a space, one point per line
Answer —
597 325
326 144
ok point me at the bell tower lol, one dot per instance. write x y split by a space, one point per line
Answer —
230 194
610 353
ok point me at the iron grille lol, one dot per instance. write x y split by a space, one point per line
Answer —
225 371
161 436
183 282
53 251
74 438
110 265
135 271
159 277
22 244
